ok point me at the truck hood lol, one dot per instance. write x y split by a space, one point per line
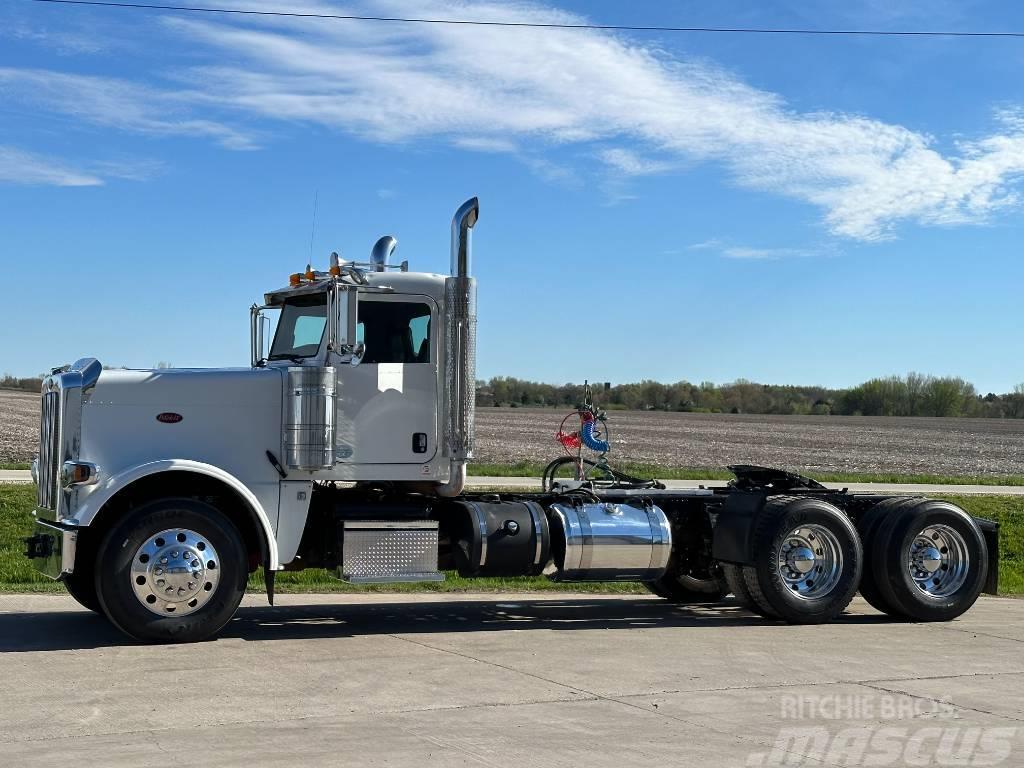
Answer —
227 418
169 387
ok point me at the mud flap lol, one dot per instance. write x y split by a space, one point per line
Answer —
268 578
990 530
731 536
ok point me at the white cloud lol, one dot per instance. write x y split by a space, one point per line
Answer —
397 83
705 245
630 163
63 42
25 168
484 144
116 103
528 90
730 250
763 254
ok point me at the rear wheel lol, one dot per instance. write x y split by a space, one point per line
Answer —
807 560
868 527
684 588
173 570
931 560
737 584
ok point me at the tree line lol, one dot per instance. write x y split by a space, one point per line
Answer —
915 394
912 395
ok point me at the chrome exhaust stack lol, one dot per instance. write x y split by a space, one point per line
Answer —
382 252
460 351
462 226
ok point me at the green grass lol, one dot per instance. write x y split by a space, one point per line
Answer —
18 575
16 571
15 465
1008 511
649 471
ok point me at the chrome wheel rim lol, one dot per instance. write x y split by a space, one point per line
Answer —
810 561
175 572
938 561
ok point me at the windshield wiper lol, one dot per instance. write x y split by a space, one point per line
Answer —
294 358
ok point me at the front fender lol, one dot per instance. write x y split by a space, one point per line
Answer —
103 491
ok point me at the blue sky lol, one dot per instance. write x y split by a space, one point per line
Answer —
667 206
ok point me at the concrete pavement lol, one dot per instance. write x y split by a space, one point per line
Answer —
23 476
510 680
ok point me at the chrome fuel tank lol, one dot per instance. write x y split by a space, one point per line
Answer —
610 541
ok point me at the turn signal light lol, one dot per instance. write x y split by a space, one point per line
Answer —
78 473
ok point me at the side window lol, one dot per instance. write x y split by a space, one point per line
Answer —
308 330
394 331
419 327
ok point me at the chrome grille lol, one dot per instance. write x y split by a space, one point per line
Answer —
49 451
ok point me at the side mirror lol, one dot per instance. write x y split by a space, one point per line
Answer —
343 317
260 336
358 352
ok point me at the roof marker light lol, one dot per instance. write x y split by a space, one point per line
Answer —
294 279
335 269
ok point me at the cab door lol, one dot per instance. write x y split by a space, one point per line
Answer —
387 405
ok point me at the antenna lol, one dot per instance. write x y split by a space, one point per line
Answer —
312 234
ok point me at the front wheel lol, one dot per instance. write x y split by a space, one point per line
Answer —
173 570
82 587
81 583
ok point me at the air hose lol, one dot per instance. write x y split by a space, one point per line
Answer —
587 435
612 479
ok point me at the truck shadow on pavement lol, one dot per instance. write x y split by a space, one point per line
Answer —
79 629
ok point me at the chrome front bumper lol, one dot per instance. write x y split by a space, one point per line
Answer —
51 548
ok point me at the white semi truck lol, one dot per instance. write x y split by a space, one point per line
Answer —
344 446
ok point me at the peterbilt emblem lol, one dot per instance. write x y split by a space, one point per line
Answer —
169 418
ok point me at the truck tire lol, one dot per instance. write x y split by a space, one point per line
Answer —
172 570
737 584
868 527
81 585
932 560
684 589
807 560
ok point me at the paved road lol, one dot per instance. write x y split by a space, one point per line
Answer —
23 476
510 680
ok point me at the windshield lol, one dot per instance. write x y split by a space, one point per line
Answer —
301 327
